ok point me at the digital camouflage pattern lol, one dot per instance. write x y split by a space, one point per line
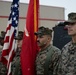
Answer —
71 18
68 60
41 57
0 50
3 68
16 65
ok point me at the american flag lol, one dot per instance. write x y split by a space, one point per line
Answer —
10 44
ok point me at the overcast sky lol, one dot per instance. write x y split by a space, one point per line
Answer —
69 5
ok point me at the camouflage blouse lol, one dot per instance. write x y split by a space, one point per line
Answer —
16 65
68 60
40 61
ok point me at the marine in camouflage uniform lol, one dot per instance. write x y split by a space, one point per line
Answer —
67 64
44 38
16 65
3 69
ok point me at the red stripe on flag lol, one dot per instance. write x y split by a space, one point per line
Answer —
8 28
